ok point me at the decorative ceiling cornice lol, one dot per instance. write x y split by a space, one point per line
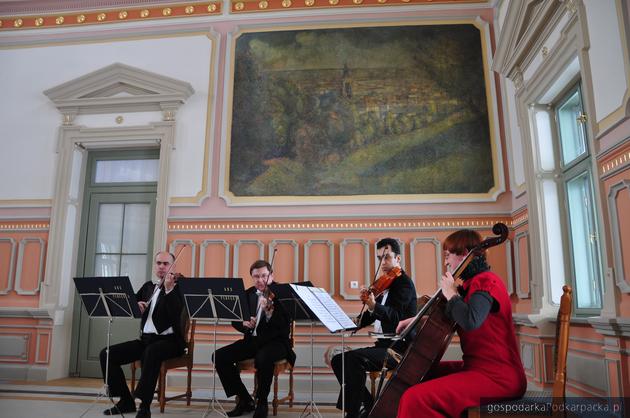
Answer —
251 6
203 226
101 12
42 14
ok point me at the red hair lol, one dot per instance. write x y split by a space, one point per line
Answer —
461 242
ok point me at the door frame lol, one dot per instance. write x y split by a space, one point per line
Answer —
93 192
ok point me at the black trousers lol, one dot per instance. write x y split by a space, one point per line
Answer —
151 350
225 359
357 363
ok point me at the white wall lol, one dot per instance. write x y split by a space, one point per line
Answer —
609 69
29 120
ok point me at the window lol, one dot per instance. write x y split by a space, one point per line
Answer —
576 182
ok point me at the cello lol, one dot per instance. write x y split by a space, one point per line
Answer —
433 333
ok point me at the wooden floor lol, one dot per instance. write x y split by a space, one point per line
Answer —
71 397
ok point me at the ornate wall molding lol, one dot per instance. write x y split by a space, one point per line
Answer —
43 340
11 263
102 13
237 247
193 252
615 165
585 369
621 276
200 227
14 347
331 261
24 226
342 265
20 261
296 255
202 256
254 6
527 355
510 269
517 261
438 256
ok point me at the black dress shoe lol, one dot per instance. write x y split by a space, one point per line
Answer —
122 407
143 412
261 410
241 408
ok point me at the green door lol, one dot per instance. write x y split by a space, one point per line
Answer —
117 240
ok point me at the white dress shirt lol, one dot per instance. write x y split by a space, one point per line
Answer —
378 328
149 326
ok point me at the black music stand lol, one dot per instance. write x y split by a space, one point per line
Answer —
107 297
215 299
299 311
330 314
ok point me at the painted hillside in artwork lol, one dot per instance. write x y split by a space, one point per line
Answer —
360 111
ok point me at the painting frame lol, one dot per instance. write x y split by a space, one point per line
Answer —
498 181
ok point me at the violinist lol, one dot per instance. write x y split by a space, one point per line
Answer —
491 369
266 340
162 307
384 309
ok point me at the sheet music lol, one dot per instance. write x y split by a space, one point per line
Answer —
332 307
325 312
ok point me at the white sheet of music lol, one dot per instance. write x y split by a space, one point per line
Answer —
324 307
308 297
332 307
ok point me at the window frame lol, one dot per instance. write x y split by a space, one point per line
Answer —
564 174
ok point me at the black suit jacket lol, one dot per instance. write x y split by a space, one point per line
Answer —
400 304
276 328
168 312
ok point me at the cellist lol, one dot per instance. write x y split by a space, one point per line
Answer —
491 369
395 303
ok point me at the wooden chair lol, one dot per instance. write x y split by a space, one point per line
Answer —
557 393
280 366
185 360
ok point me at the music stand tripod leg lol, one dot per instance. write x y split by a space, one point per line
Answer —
104 392
213 404
343 374
313 411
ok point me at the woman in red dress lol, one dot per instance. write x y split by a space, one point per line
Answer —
491 369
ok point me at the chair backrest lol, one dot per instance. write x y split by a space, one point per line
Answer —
562 343
188 329
291 333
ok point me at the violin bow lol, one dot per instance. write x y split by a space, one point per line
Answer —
266 290
378 268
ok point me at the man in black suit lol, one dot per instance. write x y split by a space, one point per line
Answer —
266 340
162 338
396 303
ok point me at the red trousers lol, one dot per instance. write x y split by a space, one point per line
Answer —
451 391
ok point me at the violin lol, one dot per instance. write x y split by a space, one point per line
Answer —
377 287
267 293
381 284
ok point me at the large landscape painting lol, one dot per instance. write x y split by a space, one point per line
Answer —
360 111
